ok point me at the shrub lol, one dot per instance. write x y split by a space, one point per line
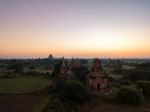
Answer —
128 95
43 106
17 67
32 67
137 75
126 82
145 86
9 74
58 83
143 65
117 71
80 73
74 92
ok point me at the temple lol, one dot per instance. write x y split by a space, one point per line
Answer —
97 80
75 63
63 69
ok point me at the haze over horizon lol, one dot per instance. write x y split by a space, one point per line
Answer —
75 28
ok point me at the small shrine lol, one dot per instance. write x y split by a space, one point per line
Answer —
63 69
75 63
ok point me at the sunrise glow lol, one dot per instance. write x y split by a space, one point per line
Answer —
31 29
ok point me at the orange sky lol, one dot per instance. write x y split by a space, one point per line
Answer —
74 28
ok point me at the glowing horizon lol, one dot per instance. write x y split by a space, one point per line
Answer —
110 28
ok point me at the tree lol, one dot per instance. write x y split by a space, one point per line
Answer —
74 92
80 73
17 67
57 68
145 86
128 95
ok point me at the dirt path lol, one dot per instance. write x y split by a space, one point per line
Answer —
19 103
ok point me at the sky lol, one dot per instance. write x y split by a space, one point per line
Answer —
75 28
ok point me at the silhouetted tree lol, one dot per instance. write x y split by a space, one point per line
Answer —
74 92
80 73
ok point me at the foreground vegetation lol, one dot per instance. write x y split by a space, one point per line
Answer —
27 79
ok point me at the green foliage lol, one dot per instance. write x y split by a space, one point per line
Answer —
80 73
83 61
54 105
74 92
36 73
114 64
128 95
57 68
32 67
43 106
139 75
117 70
125 82
17 67
143 65
145 86
58 83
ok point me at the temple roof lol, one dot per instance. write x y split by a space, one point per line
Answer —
97 65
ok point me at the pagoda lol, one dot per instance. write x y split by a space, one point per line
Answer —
97 80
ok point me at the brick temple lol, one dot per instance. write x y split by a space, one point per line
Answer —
97 80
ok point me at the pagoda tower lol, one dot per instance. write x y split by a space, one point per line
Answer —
63 69
97 80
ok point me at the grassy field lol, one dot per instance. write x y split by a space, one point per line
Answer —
22 84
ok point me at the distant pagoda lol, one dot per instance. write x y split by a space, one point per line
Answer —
63 69
75 63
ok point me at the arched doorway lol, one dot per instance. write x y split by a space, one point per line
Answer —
98 87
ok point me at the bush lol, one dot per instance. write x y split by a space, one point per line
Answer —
43 106
35 73
137 75
32 67
117 71
57 85
74 92
9 74
145 86
143 66
126 82
17 67
128 95
80 73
